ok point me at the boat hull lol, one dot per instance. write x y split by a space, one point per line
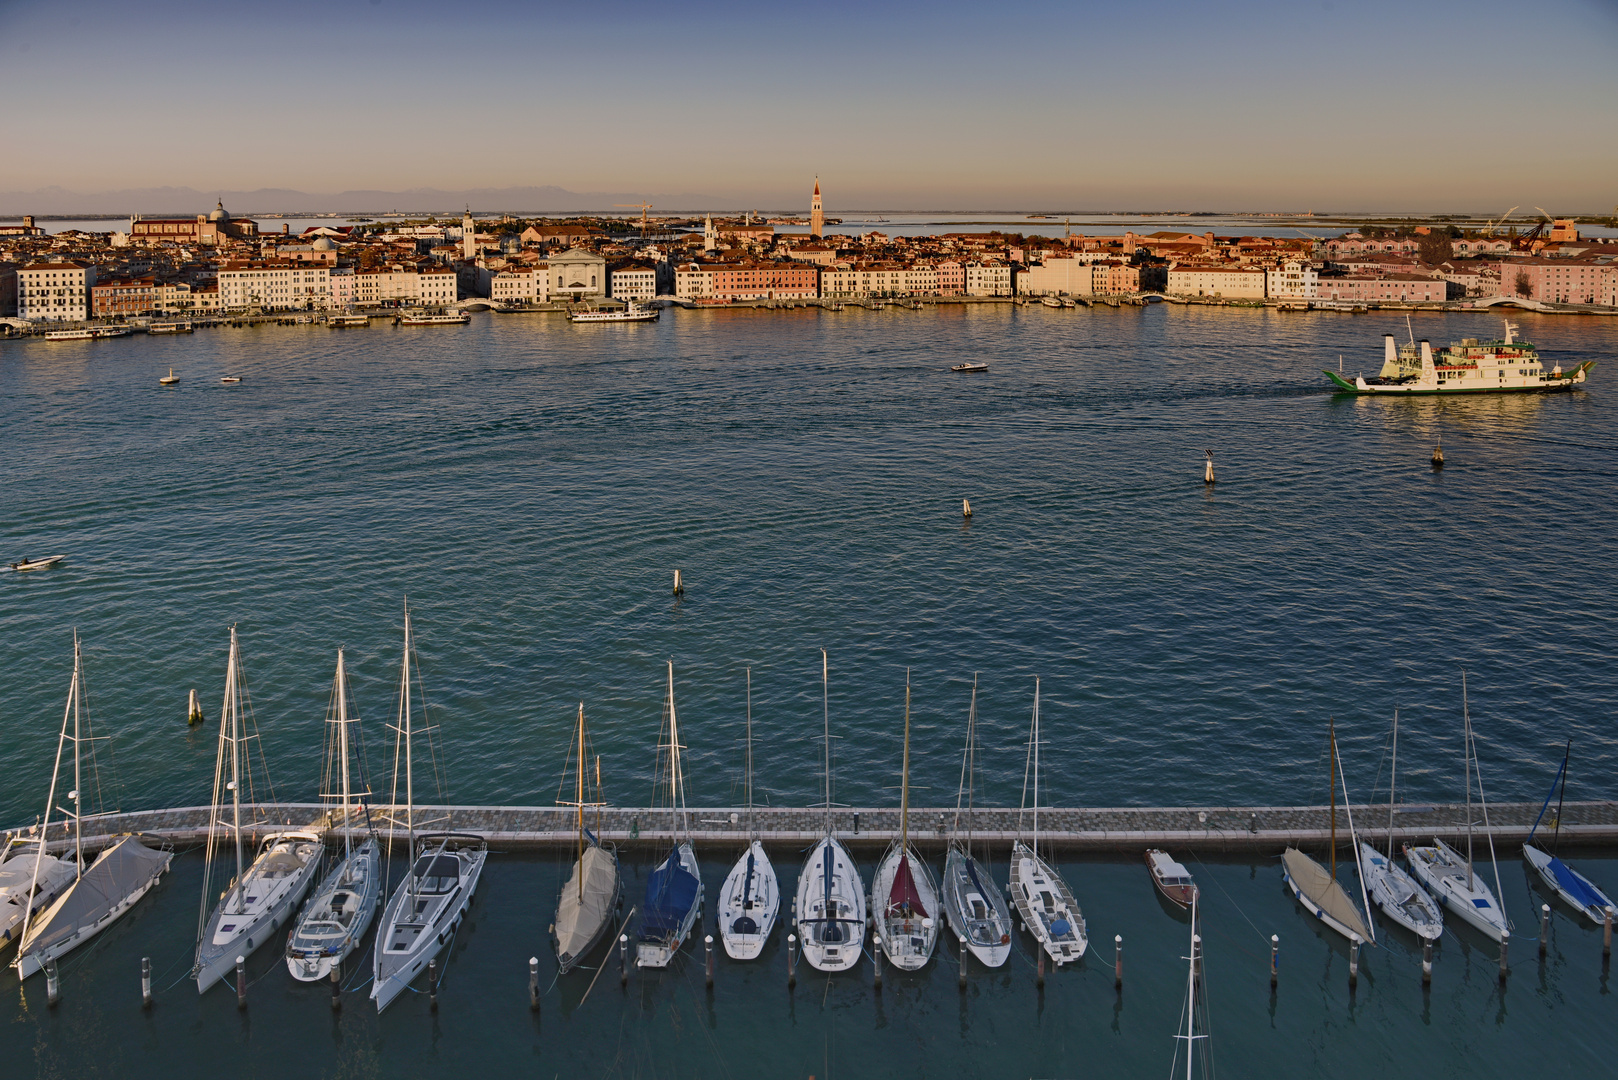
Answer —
321 940
907 933
1593 905
1398 896
422 937
1047 907
1316 907
17 877
833 938
749 902
1442 871
597 863
232 934
976 910
658 948
29 960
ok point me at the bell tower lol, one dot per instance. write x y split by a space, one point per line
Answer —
817 219
469 237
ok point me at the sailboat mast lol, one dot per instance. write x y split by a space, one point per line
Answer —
1466 747
404 723
749 755
233 699
1036 766
50 796
971 762
904 781
825 716
581 802
676 784
1331 783
78 781
1393 776
342 748
1556 835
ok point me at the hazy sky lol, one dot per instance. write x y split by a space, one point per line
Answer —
1249 105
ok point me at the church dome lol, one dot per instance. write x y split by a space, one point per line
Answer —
219 213
324 244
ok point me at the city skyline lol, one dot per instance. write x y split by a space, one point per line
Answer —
1369 108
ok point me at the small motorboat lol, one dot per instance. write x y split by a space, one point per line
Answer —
37 564
231 379
169 380
973 365
1172 879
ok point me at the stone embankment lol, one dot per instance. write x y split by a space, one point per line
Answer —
1264 830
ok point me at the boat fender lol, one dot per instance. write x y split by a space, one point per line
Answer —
249 943
441 937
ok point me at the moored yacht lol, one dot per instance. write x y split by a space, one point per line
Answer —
830 905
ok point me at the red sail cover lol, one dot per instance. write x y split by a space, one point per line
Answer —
904 891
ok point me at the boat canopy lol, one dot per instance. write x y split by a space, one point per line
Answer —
670 893
579 918
1171 872
745 924
903 899
1324 891
1573 884
119 872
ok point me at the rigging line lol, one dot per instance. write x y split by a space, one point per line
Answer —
1227 896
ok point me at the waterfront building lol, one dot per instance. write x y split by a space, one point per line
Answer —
635 280
27 228
1056 276
521 284
341 286
1227 282
273 285
578 274
817 217
1294 279
8 289
879 280
988 278
121 297
423 285
187 298
725 282
951 277
1554 281
55 291
819 254
1361 288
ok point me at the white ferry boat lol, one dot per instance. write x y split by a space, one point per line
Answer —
445 318
87 333
339 322
633 312
170 328
1469 366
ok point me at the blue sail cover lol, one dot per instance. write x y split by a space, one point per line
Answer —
1575 886
671 892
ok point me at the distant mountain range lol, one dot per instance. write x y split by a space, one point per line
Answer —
184 201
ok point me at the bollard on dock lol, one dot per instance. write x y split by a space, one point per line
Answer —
1196 957
876 959
533 983
53 985
1353 961
1606 934
241 982
623 959
1426 961
432 984
146 982
1275 951
336 987
1544 928
960 976
792 960
1039 974
707 943
1505 943
1118 961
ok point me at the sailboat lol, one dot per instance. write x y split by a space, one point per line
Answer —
334 921
674 889
585 905
263 895
1447 874
830 905
19 881
64 904
1042 898
977 911
1318 889
750 899
429 904
903 893
1579 891
1394 890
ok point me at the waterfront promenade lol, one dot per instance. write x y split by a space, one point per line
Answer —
1253 830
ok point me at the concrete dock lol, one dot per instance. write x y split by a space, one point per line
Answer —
1261 830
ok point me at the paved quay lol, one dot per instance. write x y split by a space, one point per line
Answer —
1213 830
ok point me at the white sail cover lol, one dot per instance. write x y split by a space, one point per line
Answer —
1323 891
579 919
121 870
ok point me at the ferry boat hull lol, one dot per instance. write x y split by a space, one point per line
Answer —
1469 366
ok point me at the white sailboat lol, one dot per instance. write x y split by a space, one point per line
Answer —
1448 875
1395 891
585 905
1578 891
674 889
64 904
904 896
334 921
976 909
261 897
1318 889
427 908
830 905
750 899
1042 898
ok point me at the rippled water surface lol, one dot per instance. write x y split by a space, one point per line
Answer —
531 486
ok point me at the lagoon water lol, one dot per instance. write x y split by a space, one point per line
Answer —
531 486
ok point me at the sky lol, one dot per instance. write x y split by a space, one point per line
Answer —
1325 105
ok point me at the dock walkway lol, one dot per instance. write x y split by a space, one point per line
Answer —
1118 830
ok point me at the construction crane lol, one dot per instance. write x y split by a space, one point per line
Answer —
1488 230
642 207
